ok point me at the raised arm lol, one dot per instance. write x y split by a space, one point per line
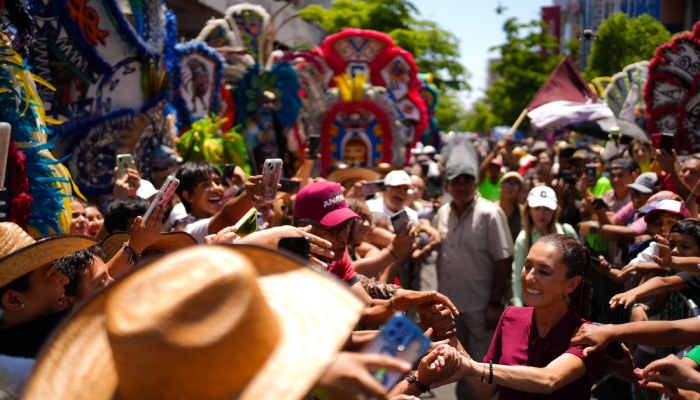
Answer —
682 332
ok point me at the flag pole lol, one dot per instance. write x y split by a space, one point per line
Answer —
517 123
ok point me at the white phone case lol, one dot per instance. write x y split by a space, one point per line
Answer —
272 171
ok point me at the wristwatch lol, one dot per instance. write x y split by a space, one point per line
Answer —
593 228
495 303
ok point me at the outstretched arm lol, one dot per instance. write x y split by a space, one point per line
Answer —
682 332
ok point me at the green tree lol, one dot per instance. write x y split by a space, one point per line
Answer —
622 41
434 49
450 112
522 71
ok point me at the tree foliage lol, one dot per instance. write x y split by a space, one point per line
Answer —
522 71
434 49
622 41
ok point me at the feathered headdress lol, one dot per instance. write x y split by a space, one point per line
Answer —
41 185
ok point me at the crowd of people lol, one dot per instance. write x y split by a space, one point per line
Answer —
530 247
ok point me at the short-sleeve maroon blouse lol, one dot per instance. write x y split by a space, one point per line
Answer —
516 342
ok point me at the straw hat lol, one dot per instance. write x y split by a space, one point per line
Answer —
168 242
22 254
343 175
201 323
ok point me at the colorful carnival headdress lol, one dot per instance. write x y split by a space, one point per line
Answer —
40 186
672 91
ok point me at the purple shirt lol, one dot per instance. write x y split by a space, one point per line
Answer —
516 342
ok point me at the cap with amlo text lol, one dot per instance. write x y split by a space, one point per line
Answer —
324 203
460 169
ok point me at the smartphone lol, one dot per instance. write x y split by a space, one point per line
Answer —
372 188
228 172
124 162
314 146
296 245
247 224
592 170
400 221
271 174
599 203
163 196
400 338
668 140
568 177
289 186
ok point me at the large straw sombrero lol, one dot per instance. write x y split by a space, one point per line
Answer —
206 322
168 242
343 175
22 254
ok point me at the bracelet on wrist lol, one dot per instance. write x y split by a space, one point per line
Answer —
490 372
411 378
133 257
644 306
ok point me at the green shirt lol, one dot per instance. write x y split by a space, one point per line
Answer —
489 190
595 241
694 354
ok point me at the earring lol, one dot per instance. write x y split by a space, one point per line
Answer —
567 300
21 305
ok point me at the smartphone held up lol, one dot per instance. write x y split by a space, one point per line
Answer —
271 174
163 197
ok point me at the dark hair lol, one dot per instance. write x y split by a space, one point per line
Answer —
641 142
122 209
577 260
624 163
591 156
191 174
73 265
21 284
688 226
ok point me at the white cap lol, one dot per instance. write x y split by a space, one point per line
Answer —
397 178
542 196
146 190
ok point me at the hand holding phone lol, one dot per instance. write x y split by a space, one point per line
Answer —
272 172
247 224
124 162
314 146
163 196
592 171
372 188
400 338
400 221
668 141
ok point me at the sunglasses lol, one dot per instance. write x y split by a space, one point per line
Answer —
337 230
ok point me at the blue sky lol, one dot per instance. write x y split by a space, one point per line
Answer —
478 27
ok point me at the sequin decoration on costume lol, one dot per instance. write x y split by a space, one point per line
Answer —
250 23
671 91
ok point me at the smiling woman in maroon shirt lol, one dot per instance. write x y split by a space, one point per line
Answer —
530 356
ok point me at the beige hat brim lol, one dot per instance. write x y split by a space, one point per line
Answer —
168 242
357 174
42 252
315 318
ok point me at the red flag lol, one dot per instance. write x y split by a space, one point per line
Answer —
565 83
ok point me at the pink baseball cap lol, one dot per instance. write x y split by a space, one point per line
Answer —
323 202
670 206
